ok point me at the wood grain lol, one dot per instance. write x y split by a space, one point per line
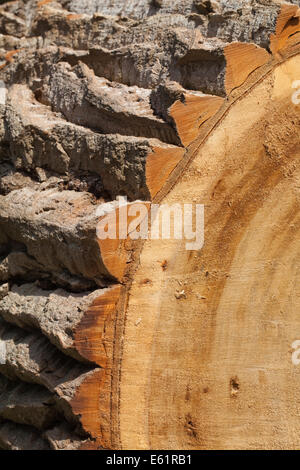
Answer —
212 369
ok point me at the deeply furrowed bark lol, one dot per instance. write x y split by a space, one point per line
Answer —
143 344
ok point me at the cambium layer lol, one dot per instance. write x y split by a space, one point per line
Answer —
101 350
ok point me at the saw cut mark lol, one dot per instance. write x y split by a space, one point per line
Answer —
242 59
95 333
160 165
192 113
288 24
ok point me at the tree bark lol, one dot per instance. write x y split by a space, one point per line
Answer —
145 344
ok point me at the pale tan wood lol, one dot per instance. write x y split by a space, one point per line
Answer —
212 369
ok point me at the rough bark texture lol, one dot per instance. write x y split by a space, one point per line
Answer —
102 98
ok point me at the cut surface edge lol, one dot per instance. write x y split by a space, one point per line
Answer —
242 59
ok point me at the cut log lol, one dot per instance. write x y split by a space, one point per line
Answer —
216 350
137 341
